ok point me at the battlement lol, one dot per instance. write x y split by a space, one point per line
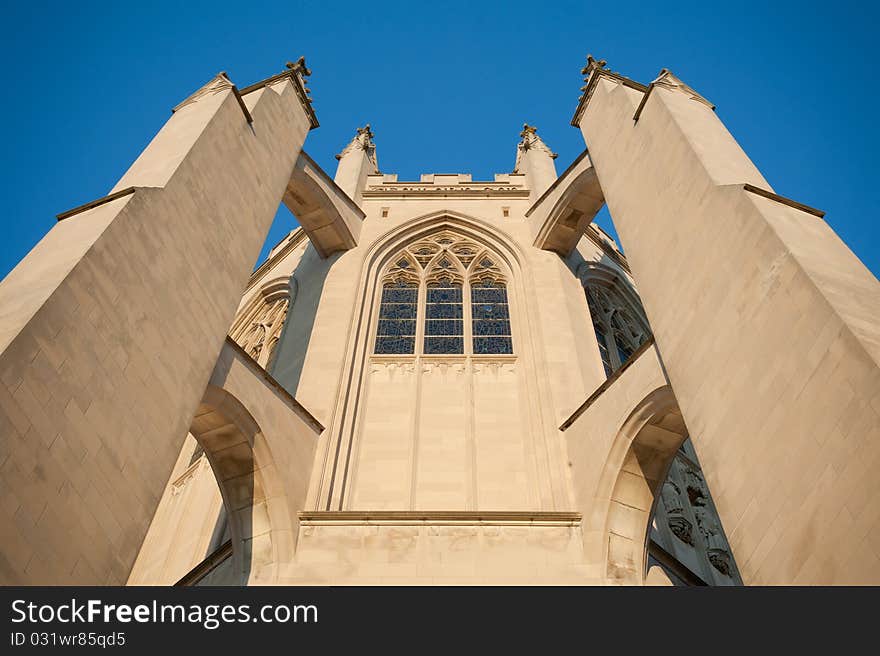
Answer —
505 185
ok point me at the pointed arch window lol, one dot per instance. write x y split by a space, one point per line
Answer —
444 324
619 329
257 328
439 274
397 318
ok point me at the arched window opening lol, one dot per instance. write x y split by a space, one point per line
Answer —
601 338
619 333
438 273
397 318
444 324
258 327
686 538
491 318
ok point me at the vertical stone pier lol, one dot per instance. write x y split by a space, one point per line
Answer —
111 326
768 327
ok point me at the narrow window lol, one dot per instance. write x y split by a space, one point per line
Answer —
491 318
623 351
624 339
618 333
397 318
444 328
603 348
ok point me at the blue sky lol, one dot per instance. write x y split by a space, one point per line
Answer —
446 87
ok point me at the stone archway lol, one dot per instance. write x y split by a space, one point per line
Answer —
248 479
637 467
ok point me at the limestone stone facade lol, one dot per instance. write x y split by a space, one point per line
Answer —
441 381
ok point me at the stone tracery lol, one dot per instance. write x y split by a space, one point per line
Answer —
258 326
445 269
620 329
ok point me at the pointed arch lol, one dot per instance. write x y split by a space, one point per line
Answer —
258 325
444 266
418 228
247 475
331 489
461 306
616 311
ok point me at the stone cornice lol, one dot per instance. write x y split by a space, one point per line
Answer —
441 517
592 81
443 358
294 73
100 201
782 199
472 190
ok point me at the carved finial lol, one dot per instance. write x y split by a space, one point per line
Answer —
363 140
299 66
530 140
593 64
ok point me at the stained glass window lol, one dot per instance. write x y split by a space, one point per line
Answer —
601 338
397 318
490 318
618 333
444 324
623 351
446 294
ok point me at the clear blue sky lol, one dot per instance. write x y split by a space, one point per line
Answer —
446 87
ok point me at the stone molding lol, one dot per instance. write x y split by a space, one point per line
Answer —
100 201
296 73
474 190
648 343
782 199
439 517
594 71
297 407
667 80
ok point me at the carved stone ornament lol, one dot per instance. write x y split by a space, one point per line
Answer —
682 529
672 498
669 81
258 327
720 560
696 489
529 140
299 66
587 71
363 140
592 65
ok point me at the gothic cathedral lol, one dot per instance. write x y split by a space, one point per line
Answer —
442 380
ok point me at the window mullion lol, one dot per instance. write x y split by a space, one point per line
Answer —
467 317
421 316
611 343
